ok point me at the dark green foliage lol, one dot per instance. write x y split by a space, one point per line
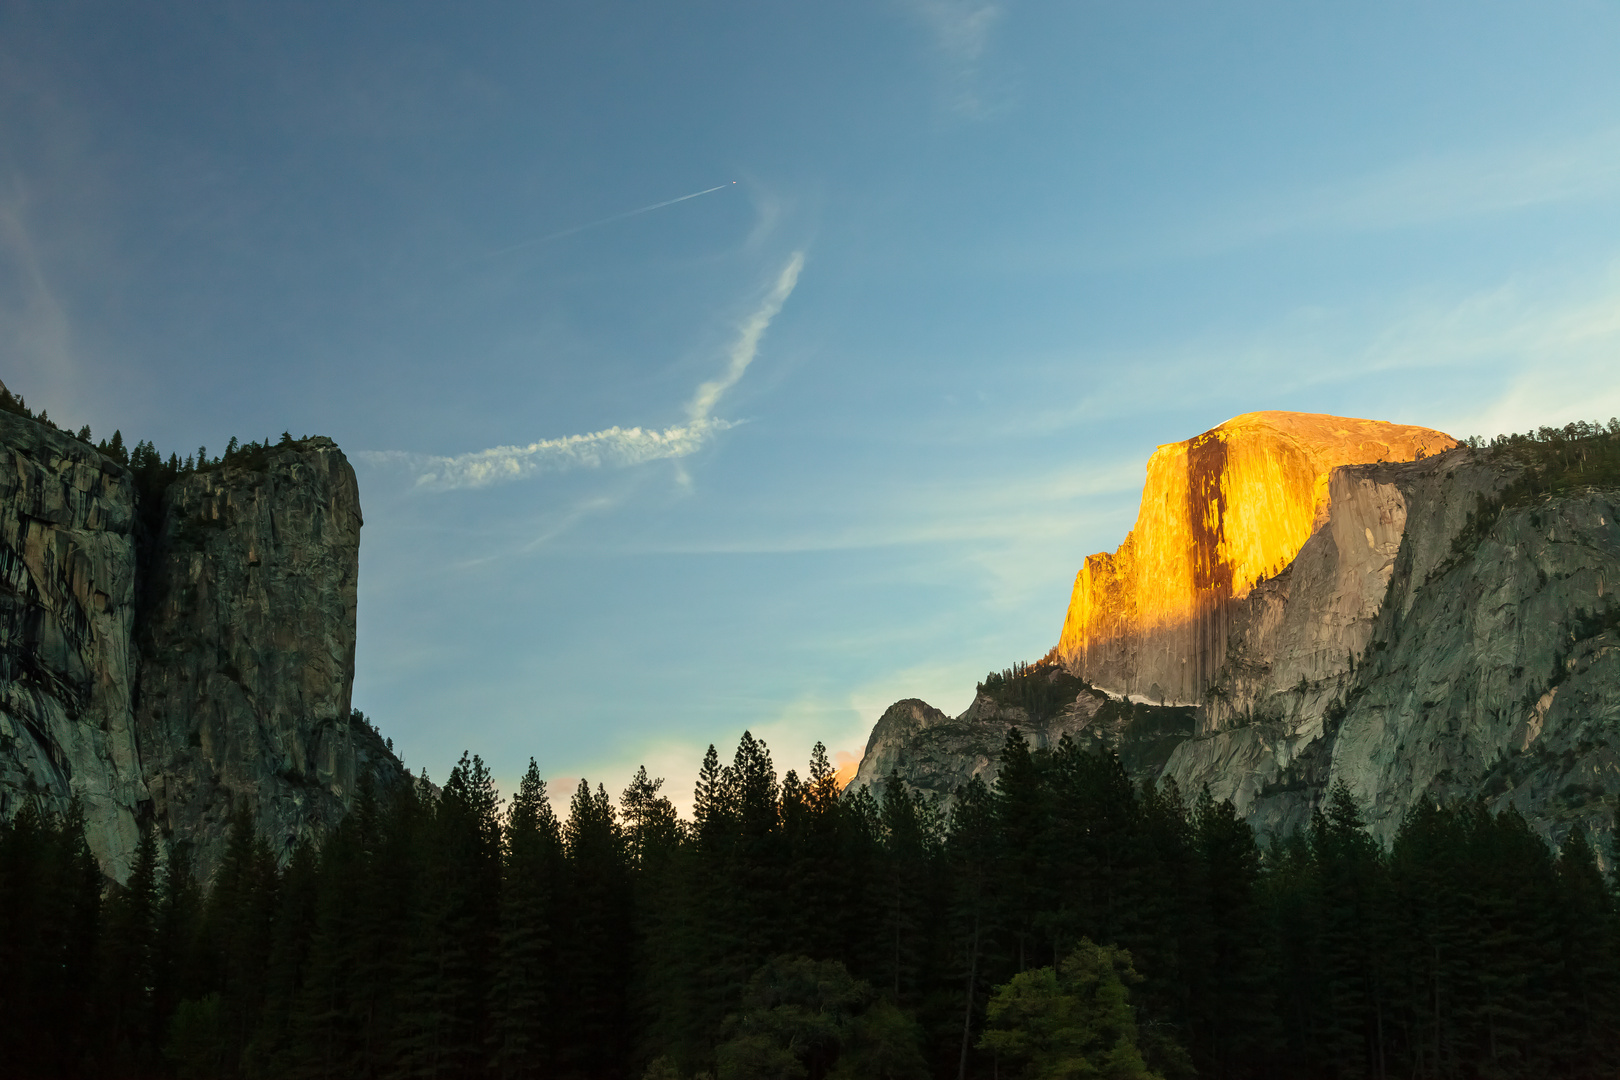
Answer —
528 981
1058 922
1550 461
442 1000
1042 689
1559 459
50 895
1074 1020
802 1019
129 943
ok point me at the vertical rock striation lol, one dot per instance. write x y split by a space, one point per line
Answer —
1220 513
247 649
163 677
1423 630
67 612
1416 657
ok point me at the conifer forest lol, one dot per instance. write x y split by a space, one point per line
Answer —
1059 923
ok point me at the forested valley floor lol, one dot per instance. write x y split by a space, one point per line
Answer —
1059 923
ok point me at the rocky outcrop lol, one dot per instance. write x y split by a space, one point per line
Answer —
1219 514
162 675
1415 657
67 615
936 754
247 650
1438 634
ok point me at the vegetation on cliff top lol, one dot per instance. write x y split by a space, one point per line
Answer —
1550 462
153 473
1556 460
1042 689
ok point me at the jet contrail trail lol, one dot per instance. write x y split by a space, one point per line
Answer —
605 221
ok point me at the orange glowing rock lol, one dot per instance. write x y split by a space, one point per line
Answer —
1220 512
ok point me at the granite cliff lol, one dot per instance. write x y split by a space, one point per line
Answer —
163 663
935 753
1219 514
67 620
1444 629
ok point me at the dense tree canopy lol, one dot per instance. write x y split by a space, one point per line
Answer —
1060 922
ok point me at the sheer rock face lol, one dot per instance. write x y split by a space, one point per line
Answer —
67 610
1220 513
247 650
1485 668
161 677
1401 648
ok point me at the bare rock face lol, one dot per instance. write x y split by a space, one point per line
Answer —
164 677
1220 513
936 754
1406 646
67 610
247 650
1489 668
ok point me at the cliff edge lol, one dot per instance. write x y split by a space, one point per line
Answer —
1220 513
163 665
1445 628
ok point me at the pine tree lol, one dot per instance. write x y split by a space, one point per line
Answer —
1588 1037
1232 1024
1023 873
910 844
971 857
443 1020
1350 872
529 981
292 931
128 958
50 888
596 950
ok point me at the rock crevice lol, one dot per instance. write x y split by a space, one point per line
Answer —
1404 645
162 676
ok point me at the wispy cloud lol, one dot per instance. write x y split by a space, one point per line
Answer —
614 447
746 346
605 221
961 31
1427 190
611 447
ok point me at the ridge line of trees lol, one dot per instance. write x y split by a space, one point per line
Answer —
1058 921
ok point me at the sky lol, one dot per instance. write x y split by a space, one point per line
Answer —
753 365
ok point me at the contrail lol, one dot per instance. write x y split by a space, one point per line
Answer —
613 447
604 221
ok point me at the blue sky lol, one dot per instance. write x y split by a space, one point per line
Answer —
841 430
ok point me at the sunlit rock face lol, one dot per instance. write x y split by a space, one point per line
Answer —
1220 514
1409 648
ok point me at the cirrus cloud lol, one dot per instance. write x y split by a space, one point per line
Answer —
614 447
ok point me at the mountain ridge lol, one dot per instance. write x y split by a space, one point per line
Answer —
1431 640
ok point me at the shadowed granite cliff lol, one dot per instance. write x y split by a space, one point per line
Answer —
161 677
936 754
247 636
67 615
